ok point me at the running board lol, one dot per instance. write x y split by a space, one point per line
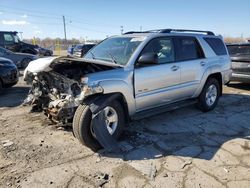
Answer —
163 109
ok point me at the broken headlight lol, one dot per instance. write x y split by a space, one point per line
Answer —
90 90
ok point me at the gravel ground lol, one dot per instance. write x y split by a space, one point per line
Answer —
182 148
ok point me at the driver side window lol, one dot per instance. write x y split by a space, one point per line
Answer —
163 47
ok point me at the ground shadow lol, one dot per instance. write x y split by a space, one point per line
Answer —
13 96
237 85
187 132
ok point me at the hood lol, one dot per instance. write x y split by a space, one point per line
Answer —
26 55
43 64
6 62
39 65
29 45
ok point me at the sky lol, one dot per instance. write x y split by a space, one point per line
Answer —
94 19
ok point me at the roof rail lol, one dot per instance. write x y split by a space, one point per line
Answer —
133 32
185 30
170 31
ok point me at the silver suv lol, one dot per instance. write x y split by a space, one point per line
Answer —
129 77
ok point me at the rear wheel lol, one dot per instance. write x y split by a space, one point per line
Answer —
47 54
209 96
82 123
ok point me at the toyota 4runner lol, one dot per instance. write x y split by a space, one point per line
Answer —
129 77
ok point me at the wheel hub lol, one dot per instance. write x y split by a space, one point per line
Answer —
211 95
111 120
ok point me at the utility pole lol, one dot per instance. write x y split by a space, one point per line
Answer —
64 26
140 28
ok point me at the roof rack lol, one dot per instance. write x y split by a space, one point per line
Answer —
170 31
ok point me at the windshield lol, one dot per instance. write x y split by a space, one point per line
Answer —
234 50
117 50
78 47
17 39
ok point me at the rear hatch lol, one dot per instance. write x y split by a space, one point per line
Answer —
240 56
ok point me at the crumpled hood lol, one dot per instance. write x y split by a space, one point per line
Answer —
43 64
39 65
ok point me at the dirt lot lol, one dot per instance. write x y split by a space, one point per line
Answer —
183 148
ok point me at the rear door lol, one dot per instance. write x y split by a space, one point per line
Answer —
156 85
192 62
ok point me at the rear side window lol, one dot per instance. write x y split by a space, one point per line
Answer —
217 45
188 49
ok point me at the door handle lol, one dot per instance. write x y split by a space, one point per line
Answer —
203 63
174 68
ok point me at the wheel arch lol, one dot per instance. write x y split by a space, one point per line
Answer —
97 101
218 77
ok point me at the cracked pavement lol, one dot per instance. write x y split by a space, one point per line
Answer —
181 148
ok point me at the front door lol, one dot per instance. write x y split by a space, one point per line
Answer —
157 84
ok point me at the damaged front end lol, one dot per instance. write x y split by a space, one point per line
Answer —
61 86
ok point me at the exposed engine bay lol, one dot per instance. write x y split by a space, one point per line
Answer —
61 87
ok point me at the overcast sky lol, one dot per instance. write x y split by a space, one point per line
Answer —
97 19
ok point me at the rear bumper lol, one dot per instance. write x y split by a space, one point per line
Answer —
226 75
240 77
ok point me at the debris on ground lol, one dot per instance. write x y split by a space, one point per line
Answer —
226 170
7 143
146 168
186 163
101 178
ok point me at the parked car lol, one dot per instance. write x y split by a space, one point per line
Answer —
20 59
81 49
8 73
11 41
240 56
129 77
70 50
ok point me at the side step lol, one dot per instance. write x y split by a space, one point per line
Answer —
162 109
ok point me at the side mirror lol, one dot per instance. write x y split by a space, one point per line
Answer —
148 59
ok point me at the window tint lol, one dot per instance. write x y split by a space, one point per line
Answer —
188 49
8 39
163 47
217 45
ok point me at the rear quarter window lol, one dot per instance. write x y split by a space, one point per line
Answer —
217 45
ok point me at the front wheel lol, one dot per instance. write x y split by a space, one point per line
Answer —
82 123
209 96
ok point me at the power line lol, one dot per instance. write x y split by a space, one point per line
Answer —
92 30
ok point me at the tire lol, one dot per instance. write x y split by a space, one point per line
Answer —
204 101
1 87
228 83
47 54
25 62
82 125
